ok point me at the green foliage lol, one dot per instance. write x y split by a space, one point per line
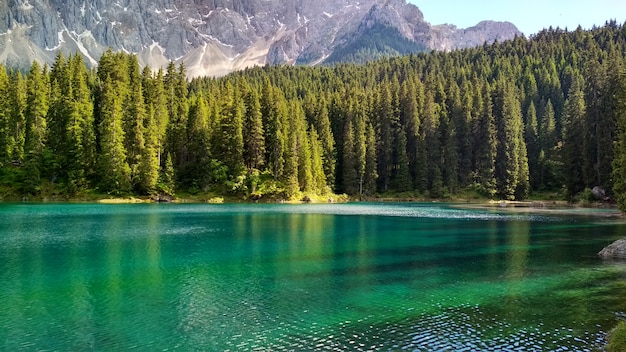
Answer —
619 163
617 338
506 120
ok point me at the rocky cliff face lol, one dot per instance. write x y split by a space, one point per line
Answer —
215 37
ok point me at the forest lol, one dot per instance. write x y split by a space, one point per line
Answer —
506 120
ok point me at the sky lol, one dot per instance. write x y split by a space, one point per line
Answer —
530 16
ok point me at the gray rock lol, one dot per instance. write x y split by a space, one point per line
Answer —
599 193
616 250
214 37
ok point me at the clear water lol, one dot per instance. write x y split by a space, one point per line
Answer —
313 277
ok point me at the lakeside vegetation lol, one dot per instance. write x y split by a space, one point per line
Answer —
544 115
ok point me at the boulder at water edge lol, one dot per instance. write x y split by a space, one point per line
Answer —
616 250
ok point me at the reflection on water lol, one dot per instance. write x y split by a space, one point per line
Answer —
351 277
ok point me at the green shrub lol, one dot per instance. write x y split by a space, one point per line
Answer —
617 338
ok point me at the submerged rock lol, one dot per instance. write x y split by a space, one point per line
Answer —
616 250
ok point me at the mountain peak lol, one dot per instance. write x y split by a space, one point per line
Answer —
219 36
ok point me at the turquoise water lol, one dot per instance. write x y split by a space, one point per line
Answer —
304 277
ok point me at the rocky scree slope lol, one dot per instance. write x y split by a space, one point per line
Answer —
215 37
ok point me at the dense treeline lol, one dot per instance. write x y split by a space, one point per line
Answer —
505 119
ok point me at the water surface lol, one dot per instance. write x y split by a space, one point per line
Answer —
304 277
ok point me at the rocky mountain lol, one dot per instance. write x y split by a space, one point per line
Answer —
215 37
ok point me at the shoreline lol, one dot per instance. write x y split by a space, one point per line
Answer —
559 207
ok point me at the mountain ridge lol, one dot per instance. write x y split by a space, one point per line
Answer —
216 37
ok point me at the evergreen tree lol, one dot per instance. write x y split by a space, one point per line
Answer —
38 90
548 156
253 134
148 171
511 160
619 163
350 176
274 111
573 121
386 124
290 176
198 166
401 177
371 175
166 184
229 136
487 145
322 124
317 163
410 98
532 142
17 121
134 124
114 170
5 144
175 84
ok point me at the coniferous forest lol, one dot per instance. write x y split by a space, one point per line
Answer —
545 114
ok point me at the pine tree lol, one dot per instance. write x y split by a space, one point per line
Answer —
274 111
17 121
229 136
573 120
149 165
386 124
290 176
166 184
410 98
80 130
432 147
619 162
532 143
175 83
371 175
148 170
511 169
5 144
401 178
547 144
156 102
253 133
57 118
114 170
317 163
134 116
464 136
322 124
299 125
38 90
350 181
486 145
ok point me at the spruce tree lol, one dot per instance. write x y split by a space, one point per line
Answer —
134 125
113 167
17 120
322 124
619 162
253 133
573 121
38 91
350 181
371 175
317 162
5 145
81 137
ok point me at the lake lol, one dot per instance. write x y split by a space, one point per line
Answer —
304 277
